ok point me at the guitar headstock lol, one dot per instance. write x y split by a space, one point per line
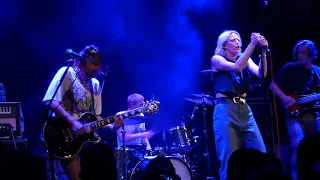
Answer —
151 107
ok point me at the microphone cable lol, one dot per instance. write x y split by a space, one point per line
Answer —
275 107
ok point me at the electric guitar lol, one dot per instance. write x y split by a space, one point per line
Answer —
64 143
303 104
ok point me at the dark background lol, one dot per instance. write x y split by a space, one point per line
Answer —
152 47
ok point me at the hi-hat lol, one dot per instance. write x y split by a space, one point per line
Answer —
205 72
201 98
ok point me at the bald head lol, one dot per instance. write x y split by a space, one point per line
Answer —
135 101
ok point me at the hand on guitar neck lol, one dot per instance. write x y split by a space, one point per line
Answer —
79 128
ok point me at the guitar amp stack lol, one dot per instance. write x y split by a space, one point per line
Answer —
259 91
12 125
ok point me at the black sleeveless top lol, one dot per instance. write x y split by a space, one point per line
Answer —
231 83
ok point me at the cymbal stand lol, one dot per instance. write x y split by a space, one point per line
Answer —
205 131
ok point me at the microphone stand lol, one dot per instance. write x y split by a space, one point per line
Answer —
205 131
46 117
107 70
266 99
206 154
124 154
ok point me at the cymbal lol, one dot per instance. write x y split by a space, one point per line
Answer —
205 72
201 98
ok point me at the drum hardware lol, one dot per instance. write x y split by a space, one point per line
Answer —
205 72
179 139
157 151
131 159
201 101
181 167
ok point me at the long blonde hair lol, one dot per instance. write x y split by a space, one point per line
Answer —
222 40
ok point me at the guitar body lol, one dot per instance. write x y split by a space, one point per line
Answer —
61 141
299 109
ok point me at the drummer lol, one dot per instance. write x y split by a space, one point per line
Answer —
135 135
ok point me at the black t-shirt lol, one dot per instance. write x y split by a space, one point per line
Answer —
231 83
294 78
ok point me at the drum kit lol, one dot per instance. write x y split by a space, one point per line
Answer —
179 142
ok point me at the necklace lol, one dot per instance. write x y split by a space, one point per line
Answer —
79 76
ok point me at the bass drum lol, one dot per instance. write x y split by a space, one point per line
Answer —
182 168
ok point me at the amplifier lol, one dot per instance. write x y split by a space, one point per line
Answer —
259 91
8 143
10 113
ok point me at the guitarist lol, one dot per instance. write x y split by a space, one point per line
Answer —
300 76
79 93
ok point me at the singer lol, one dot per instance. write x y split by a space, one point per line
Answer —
233 122
79 93
300 76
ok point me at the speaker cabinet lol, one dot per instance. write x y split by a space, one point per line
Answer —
9 144
263 114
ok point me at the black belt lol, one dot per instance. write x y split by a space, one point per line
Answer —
229 100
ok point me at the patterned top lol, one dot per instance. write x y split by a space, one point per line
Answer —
73 95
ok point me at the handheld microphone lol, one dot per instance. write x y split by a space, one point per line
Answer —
71 53
265 48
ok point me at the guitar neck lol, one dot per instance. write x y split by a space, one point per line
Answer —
97 124
308 98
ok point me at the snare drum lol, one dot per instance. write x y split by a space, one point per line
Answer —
131 161
178 139
156 152
182 168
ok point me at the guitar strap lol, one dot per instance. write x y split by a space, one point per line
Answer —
92 96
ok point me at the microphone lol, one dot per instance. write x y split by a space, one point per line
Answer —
71 53
265 48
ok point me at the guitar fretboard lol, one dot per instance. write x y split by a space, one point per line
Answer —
97 124
308 98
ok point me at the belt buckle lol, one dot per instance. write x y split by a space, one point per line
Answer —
238 100
235 100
